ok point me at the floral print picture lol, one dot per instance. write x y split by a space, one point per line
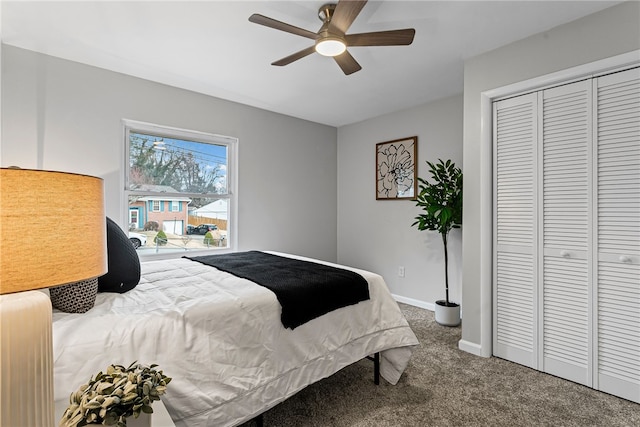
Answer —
396 174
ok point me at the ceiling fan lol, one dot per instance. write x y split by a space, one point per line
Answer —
332 40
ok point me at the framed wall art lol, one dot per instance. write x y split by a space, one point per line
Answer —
396 171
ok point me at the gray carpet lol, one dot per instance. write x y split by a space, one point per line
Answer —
444 386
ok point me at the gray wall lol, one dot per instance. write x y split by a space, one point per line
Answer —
62 115
608 33
376 234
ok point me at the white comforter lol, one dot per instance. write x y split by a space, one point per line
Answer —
221 340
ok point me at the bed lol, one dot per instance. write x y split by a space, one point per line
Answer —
222 340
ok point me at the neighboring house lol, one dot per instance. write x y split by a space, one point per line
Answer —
170 212
215 210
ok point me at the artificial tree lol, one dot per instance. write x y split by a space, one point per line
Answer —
441 201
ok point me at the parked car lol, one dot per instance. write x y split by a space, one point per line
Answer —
137 239
190 228
202 229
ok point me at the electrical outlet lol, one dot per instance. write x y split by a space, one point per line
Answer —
401 271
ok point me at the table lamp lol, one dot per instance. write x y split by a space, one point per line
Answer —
52 232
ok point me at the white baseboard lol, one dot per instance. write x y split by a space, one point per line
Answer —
414 302
471 347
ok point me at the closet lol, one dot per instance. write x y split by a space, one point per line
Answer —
566 251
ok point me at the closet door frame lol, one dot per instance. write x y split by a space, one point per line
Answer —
573 115
615 63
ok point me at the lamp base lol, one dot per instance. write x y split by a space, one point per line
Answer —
26 360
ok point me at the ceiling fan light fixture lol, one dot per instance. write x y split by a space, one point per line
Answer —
330 46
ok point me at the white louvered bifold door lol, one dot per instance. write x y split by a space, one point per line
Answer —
565 202
515 230
566 253
618 233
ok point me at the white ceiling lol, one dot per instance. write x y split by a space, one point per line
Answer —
212 48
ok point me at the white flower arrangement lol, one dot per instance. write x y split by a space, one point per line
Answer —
110 398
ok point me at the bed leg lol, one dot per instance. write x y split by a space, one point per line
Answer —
376 368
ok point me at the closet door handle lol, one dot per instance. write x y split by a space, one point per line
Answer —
625 258
565 254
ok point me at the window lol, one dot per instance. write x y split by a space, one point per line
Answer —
181 183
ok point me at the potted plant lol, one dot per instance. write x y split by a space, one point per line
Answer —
441 201
110 398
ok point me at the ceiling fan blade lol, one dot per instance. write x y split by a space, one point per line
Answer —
345 13
348 64
294 57
282 26
382 38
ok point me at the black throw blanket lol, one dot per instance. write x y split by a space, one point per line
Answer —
306 290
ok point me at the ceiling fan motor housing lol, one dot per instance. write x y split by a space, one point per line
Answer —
326 12
327 43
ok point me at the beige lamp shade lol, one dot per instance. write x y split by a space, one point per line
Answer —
52 229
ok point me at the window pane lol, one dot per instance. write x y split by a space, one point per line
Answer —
190 224
162 164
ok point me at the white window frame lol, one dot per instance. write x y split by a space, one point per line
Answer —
155 206
190 135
